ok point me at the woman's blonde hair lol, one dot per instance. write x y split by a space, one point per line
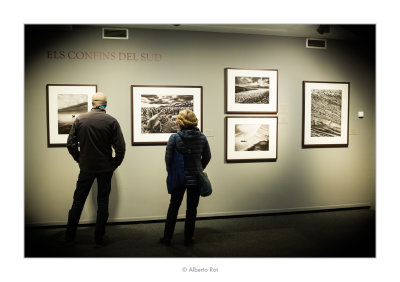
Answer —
186 118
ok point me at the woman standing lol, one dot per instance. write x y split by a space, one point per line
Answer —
193 144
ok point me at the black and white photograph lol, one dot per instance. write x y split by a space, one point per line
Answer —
326 109
325 113
154 111
251 139
251 91
159 112
65 102
69 108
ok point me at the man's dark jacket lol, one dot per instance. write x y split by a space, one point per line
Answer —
96 133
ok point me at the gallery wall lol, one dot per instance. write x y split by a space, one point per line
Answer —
300 179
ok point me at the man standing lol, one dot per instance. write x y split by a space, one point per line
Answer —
95 133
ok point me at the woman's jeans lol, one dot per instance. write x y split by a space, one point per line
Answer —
193 196
83 186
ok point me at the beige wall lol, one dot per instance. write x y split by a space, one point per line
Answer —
301 179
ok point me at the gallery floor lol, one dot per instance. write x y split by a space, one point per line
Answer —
338 233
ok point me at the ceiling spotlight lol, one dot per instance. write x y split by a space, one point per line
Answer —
323 28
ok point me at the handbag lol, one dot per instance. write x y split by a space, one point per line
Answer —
205 184
176 174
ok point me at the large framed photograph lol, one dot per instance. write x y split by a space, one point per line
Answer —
154 111
65 102
326 114
251 91
251 139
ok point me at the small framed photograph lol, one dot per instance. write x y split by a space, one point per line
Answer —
251 139
65 102
251 91
154 111
325 114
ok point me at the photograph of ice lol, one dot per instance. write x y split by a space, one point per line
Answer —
326 109
69 107
159 112
251 137
251 90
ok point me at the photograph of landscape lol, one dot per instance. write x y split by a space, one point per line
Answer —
251 90
251 137
69 107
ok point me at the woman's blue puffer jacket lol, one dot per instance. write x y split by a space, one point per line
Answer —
196 151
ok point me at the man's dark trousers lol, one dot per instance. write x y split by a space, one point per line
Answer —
83 186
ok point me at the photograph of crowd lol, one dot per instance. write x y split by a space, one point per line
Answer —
326 109
325 114
155 108
159 112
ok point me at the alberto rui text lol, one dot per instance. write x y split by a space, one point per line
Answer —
203 269
104 56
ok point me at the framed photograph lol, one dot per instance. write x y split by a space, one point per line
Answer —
326 114
251 91
154 111
65 102
251 139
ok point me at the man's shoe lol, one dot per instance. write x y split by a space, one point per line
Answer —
165 242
